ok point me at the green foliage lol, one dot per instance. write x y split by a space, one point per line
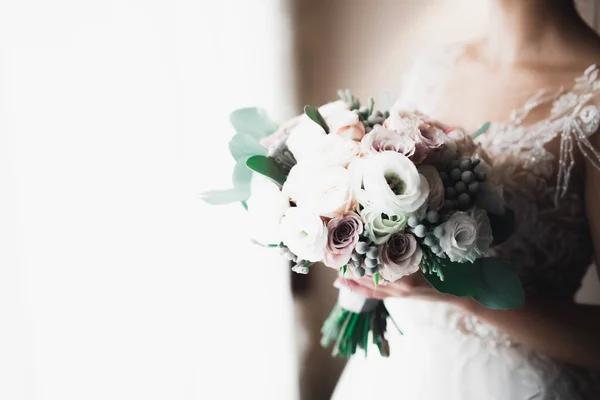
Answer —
490 281
503 226
253 122
349 331
243 146
251 125
313 113
481 130
268 167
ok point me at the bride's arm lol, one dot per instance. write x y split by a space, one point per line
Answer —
564 331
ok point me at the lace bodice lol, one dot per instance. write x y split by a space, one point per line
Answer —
539 166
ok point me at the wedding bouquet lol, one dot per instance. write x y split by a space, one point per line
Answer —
376 193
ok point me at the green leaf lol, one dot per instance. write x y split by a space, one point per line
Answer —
503 288
252 121
220 197
268 167
481 130
313 113
245 205
460 279
490 281
344 269
371 105
241 176
503 226
243 146
376 278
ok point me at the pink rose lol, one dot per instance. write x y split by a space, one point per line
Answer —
343 234
427 137
435 201
400 256
382 139
346 124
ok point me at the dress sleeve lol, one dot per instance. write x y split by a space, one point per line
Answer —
580 120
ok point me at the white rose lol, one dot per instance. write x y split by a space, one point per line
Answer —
266 207
346 124
304 138
304 233
389 182
459 240
322 189
380 227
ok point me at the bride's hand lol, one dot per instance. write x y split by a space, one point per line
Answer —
412 286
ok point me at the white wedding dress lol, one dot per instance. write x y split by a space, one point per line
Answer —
446 354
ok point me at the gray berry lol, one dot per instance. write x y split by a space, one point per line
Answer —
359 272
370 263
455 164
429 240
474 187
481 176
300 269
449 205
362 247
420 231
460 187
466 164
464 200
456 174
433 216
356 257
438 231
413 221
436 249
372 271
444 176
373 252
467 177
451 193
357 263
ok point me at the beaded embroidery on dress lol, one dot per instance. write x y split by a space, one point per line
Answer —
551 249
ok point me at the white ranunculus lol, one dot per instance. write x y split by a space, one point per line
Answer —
459 240
320 188
336 150
380 228
346 123
304 233
389 182
304 139
266 207
329 109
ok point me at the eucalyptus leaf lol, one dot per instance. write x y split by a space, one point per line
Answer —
241 176
481 130
252 121
221 197
503 226
268 167
243 146
313 113
245 205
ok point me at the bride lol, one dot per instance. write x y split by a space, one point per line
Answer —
533 77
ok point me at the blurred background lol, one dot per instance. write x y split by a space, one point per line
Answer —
116 281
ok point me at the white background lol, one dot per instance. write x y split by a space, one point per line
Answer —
116 281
